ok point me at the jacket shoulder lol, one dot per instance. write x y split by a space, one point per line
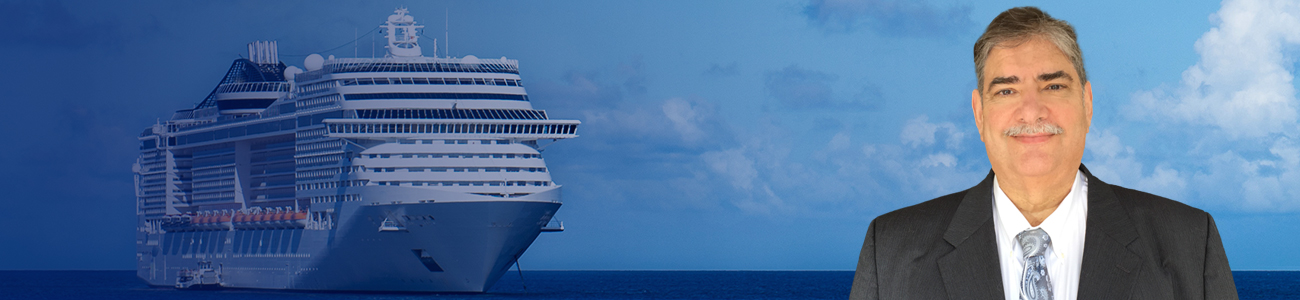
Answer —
1146 205
1180 242
1166 224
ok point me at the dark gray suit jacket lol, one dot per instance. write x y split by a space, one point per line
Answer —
1136 246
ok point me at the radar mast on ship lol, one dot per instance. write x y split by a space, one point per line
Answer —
402 35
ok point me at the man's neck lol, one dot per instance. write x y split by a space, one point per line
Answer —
1037 197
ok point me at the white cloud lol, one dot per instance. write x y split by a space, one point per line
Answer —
771 173
1237 110
679 153
939 159
919 132
1113 162
838 142
734 165
1163 179
684 119
889 17
1243 82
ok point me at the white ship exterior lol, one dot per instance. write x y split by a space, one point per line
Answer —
401 173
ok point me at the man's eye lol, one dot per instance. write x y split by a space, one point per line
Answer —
1055 86
1003 92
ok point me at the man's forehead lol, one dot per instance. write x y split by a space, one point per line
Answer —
1027 60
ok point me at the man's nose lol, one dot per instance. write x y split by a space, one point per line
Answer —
1031 108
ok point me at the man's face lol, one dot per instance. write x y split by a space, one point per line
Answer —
1033 114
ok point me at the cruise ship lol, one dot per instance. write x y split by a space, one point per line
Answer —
401 173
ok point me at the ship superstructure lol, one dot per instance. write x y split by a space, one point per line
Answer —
401 173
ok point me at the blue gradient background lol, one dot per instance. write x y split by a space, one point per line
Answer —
719 135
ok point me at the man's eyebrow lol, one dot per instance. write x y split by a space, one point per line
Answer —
1053 76
1003 80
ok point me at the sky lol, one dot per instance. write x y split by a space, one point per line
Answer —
723 135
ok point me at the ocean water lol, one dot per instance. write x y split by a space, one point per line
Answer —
546 285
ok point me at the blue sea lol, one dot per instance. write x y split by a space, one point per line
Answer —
546 285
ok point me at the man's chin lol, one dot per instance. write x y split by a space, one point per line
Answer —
1034 168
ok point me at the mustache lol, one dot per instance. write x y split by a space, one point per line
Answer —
1028 129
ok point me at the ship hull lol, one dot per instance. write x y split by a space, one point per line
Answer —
428 247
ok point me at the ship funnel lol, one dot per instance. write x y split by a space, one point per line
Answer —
264 52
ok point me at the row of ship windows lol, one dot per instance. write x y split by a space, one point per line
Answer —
331 184
455 128
211 196
460 142
457 155
309 120
368 67
336 184
214 172
315 87
238 131
446 113
493 169
155 178
467 96
313 103
336 198
213 175
465 183
213 188
456 81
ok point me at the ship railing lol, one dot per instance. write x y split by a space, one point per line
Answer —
227 120
540 129
412 64
343 62
195 113
254 87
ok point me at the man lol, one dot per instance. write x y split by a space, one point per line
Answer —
1040 226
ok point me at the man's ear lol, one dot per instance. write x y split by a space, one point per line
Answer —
1087 105
977 109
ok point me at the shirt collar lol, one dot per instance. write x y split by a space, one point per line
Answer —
1056 224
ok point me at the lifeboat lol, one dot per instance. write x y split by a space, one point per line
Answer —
242 220
178 223
259 221
197 222
219 221
278 218
274 219
300 219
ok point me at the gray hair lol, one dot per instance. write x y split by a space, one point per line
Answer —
1020 24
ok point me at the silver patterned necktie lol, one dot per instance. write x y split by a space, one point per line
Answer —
1034 284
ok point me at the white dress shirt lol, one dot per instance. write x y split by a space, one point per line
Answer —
1065 226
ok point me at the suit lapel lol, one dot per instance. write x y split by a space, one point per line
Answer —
1109 269
971 269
